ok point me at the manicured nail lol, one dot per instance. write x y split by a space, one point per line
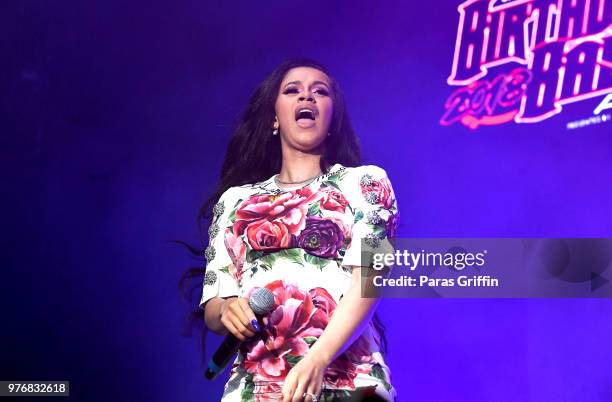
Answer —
255 325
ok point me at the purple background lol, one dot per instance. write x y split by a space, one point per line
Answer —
115 116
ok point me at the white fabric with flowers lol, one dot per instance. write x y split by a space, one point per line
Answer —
301 245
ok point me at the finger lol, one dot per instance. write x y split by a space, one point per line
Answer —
242 328
232 328
235 315
250 315
298 394
244 303
288 388
314 388
239 310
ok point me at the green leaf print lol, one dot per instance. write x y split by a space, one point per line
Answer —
232 215
310 340
337 176
293 255
249 386
225 269
380 232
269 258
265 266
293 360
330 183
379 373
253 255
314 210
358 216
314 260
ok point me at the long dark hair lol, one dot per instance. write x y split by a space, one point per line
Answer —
254 155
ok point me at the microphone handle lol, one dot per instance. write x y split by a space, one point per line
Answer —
226 351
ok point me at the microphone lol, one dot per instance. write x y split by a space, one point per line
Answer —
261 302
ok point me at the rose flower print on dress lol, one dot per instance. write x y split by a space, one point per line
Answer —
301 244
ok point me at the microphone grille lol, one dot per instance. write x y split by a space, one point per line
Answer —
261 301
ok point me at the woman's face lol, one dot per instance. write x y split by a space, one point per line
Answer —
304 108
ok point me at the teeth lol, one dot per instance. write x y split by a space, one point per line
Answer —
305 110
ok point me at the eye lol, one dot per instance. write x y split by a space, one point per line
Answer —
290 91
321 91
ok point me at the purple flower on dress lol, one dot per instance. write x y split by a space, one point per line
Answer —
320 237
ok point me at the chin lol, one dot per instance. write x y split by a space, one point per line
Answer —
307 144
306 136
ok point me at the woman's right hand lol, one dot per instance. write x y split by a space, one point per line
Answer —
238 318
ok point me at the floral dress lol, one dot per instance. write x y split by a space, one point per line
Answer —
301 244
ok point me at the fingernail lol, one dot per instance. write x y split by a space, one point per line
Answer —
255 325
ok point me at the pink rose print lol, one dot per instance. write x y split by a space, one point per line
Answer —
286 211
237 252
333 200
266 235
288 324
299 315
342 372
382 188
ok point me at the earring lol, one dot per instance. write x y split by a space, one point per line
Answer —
275 131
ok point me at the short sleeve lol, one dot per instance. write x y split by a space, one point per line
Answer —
219 280
375 215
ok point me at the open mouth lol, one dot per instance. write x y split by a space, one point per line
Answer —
305 117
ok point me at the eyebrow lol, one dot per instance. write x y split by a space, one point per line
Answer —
299 82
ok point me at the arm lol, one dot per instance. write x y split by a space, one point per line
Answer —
350 318
376 217
223 310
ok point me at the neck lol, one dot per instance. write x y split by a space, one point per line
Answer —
297 169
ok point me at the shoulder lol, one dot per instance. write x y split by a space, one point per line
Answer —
364 174
368 185
228 198
233 195
372 170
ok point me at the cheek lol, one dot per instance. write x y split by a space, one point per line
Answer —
284 111
329 114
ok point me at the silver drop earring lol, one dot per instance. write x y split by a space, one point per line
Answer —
275 131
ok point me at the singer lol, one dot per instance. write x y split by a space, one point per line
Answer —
290 212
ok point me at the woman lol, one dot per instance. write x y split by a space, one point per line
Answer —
293 207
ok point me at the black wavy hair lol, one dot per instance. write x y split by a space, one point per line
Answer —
254 155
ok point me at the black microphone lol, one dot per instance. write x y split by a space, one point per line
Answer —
261 302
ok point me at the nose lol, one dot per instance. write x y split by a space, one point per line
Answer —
307 95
